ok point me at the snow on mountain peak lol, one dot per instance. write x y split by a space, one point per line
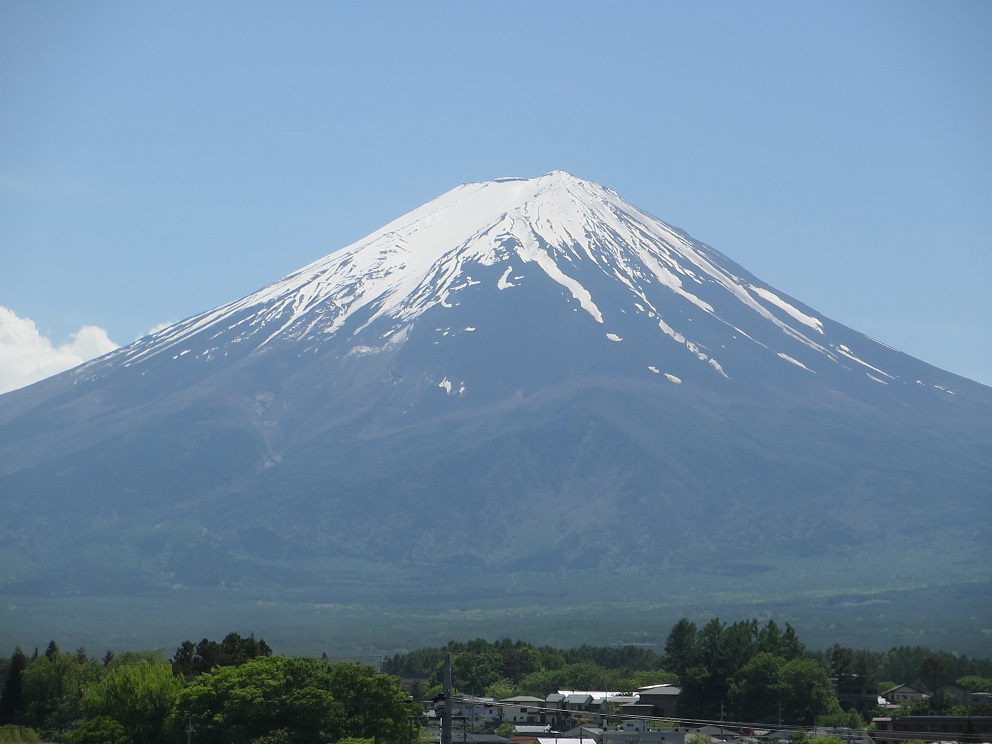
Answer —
579 235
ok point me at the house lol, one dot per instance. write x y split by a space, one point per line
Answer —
524 709
475 710
963 695
663 699
900 694
579 702
566 708
960 693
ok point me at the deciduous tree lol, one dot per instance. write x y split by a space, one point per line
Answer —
139 696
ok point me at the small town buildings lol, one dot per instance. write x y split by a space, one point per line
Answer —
567 708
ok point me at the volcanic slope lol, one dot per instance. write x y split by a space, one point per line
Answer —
527 380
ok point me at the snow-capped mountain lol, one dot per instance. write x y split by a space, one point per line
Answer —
561 375
464 259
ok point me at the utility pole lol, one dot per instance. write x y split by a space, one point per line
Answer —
446 715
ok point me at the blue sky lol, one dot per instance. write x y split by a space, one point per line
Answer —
158 159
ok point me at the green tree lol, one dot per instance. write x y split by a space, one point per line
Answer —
721 651
506 730
845 719
18 735
374 704
191 659
806 692
256 699
310 699
976 683
757 688
139 696
543 682
681 651
770 638
791 647
829 739
519 659
52 688
501 689
933 669
11 697
100 730
841 661
474 671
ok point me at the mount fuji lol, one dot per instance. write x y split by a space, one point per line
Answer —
525 388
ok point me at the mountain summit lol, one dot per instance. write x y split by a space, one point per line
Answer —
520 378
473 258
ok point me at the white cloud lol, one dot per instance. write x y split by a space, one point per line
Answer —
159 327
27 356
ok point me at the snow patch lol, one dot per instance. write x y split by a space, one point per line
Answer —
504 282
788 358
716 365
850 355
449 387
815 323
391 339
529 249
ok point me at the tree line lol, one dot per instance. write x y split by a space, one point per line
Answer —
235 690
745 671
238 690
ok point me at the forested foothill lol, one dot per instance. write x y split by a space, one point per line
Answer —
238 690
235 690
